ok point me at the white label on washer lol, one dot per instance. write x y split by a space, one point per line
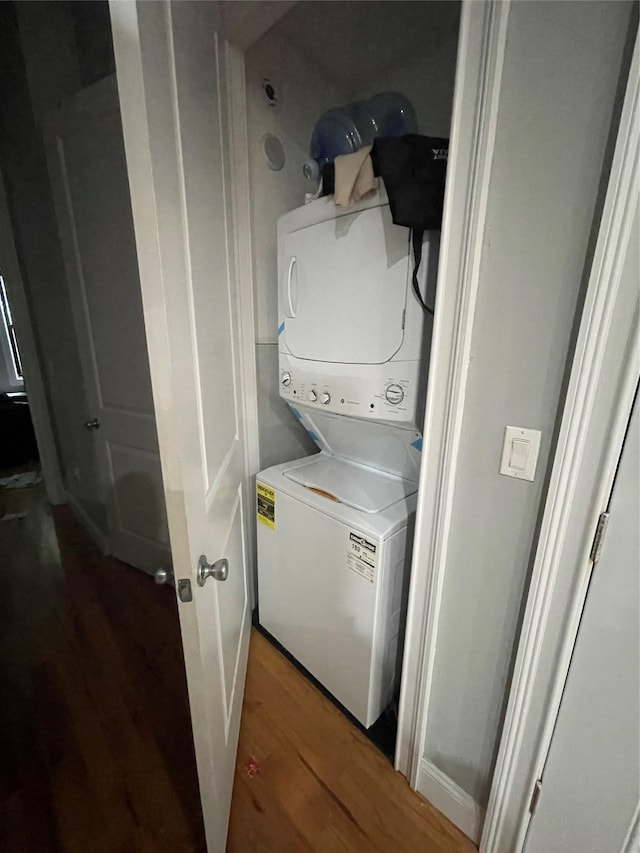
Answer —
362 556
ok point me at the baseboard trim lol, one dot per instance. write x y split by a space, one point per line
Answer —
454 803
100 538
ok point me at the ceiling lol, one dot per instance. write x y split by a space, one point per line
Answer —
354 39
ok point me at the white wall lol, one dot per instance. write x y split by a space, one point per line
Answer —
304 96
426 76
373 46
559 85
47 38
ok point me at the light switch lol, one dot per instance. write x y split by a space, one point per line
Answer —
520 452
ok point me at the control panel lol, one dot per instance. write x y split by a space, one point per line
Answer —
377 395
394 393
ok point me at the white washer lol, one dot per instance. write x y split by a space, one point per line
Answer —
334 549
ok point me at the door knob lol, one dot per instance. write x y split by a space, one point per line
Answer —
218 571
94 423
163 575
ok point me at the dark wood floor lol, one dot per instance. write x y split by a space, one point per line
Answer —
95 740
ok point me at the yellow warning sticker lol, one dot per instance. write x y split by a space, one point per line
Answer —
266 505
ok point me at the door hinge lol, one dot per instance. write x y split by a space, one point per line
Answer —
535 796
598 539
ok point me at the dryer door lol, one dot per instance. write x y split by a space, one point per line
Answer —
343 288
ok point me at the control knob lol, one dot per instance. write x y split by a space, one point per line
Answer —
394 393
325 397
286 379
312 396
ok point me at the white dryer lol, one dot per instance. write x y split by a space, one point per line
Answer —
353 338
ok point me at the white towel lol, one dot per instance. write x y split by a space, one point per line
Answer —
354 178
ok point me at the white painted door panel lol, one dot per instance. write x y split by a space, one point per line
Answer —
91 190
172 76
591 781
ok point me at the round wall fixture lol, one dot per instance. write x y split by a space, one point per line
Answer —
273 151
271 93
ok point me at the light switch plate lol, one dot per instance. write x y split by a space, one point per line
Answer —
520 452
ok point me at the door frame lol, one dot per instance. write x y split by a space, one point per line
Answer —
477 90
602 384
241 204
31 367
481 51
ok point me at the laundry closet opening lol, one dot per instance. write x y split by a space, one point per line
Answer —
342 339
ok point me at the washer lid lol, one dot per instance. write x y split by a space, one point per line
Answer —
358 486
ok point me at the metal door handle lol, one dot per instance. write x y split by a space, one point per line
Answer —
290 296
218 571
94 423
163 575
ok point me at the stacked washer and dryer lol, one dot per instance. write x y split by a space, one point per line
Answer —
335 529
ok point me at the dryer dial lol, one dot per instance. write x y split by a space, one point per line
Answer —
394 394
325 398
286 379
312 396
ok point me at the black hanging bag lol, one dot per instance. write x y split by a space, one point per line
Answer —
414 171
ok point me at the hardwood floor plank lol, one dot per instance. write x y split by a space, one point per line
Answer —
321 773
259 822
95 737
13 831
80 825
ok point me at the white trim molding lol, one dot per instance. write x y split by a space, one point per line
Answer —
443 793
632 841
33 375
241 205
478 80
241 191
603 381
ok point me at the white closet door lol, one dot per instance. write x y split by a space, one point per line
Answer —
591 780
88 172
173 78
